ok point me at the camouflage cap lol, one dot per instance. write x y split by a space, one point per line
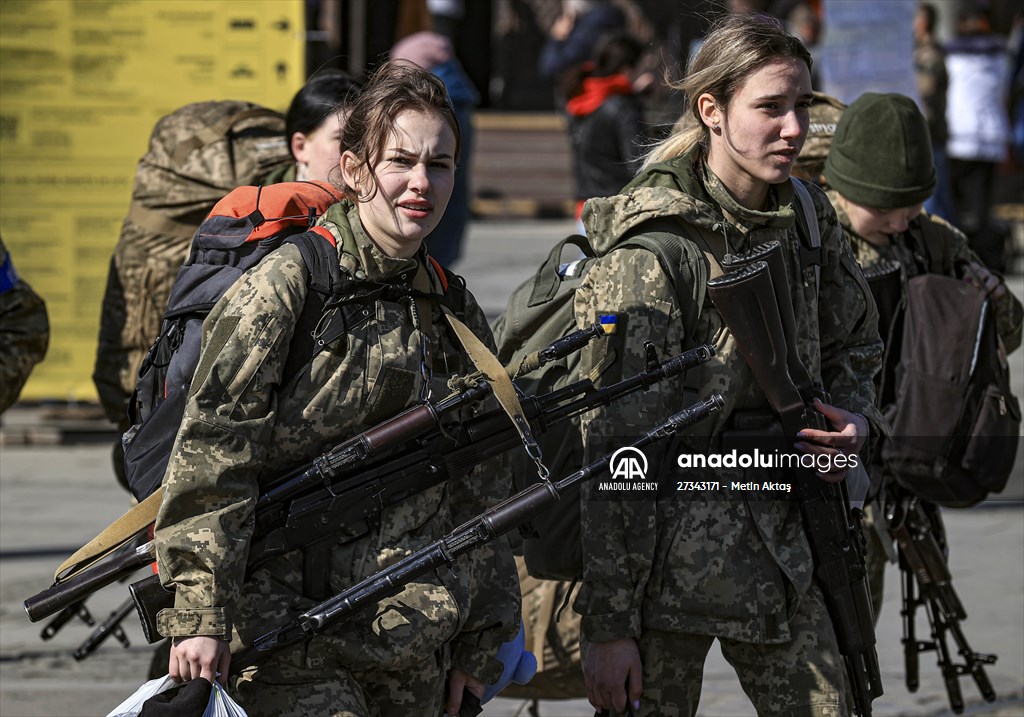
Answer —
825 113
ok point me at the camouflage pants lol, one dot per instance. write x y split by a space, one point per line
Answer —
278 688
800 678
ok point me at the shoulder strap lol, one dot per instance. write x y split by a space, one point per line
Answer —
315 329
662 238
807 226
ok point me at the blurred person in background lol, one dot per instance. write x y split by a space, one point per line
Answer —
803 21
574 34
24 330
433 51
606 127
979 131
932 85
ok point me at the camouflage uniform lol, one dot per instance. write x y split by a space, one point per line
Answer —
721 565
824 116
240 426
930 245
24 331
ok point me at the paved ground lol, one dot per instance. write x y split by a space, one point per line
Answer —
54 497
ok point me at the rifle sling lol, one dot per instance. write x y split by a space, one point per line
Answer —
113 536
502 386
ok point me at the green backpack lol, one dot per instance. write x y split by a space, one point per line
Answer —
540 311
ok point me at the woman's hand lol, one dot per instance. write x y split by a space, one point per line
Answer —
848 437
979 276
614 674
199 656
457 682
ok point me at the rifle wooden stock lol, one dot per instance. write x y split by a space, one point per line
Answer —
77 588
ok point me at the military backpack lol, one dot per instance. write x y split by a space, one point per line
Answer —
243 228
196 155
955 423
540 311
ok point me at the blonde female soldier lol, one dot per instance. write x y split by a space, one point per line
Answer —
242 425
664 578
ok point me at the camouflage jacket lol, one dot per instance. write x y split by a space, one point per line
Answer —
934 246
240 427
24 331
719 563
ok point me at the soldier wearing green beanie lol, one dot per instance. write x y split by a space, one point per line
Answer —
881 154
880 171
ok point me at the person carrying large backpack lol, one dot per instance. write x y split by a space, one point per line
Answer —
880 172
243 424
664 577
197 154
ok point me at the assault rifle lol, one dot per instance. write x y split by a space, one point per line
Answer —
322 503
916 526
476 532
80 580
754 301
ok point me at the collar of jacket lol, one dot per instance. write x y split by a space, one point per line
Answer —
595 91
685 188
361 258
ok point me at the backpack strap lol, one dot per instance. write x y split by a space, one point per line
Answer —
662 238
807 228
317 325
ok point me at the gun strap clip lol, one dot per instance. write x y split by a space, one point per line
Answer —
502 386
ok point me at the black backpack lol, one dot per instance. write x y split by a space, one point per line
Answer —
242 229
955 424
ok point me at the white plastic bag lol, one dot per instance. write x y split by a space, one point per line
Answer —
220 705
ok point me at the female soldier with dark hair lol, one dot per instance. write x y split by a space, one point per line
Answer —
314 124
664 578
241 426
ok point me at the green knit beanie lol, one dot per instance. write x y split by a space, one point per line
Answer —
881 154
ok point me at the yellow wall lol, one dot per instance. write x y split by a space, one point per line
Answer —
82 82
